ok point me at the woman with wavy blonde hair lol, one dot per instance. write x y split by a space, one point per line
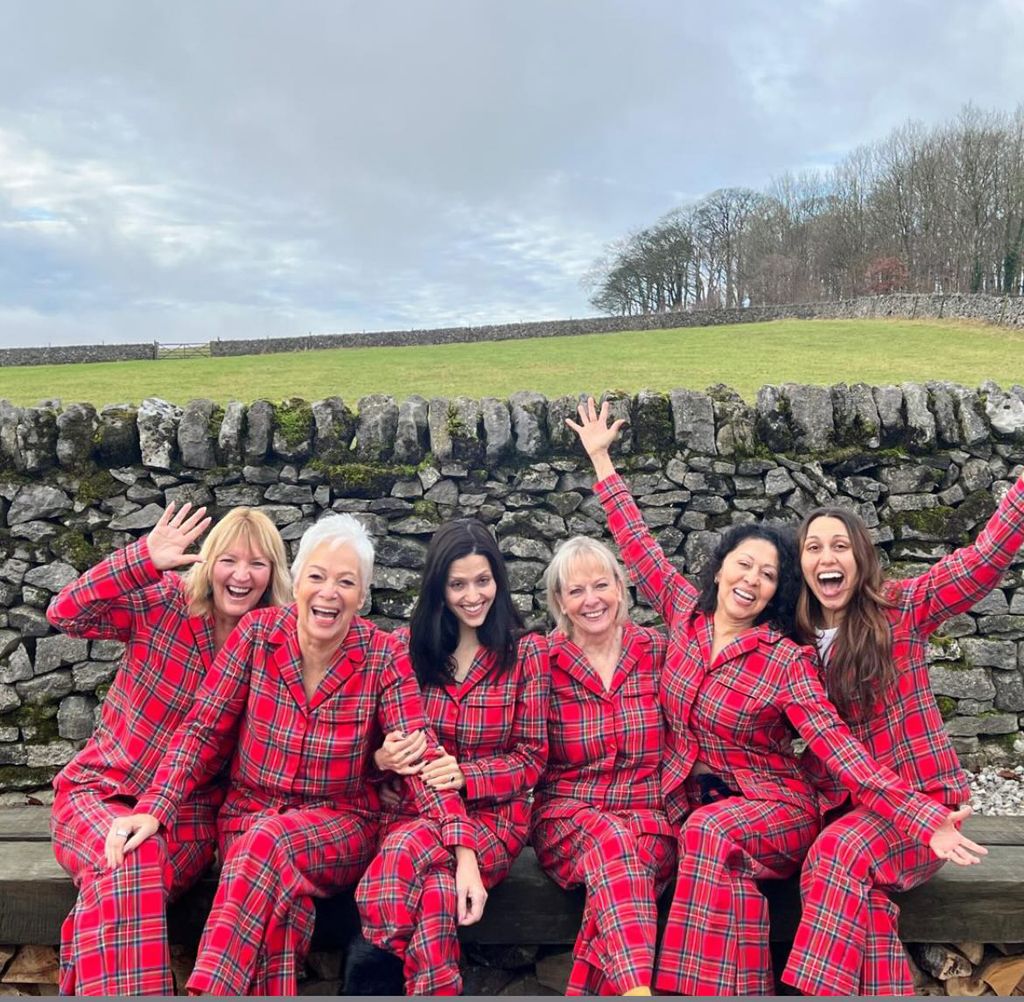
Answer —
114 942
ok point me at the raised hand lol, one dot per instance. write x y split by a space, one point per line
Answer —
596 434
174 534
949 843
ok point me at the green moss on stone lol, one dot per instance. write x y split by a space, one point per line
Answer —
97 486
425 509
362 480
216 420
73 548
947 706
22 777
42 732
294 418
653 427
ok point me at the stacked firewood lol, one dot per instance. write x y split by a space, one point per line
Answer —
967 968
28 970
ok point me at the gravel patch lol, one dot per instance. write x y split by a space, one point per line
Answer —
997 790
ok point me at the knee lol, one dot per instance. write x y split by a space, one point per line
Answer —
618 851
417 842
838 850
704 829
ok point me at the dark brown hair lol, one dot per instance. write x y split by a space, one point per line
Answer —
859 670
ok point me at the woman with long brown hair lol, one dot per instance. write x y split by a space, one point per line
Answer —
871 636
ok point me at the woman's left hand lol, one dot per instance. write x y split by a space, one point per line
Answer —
949 843
469 886
443 773
127 834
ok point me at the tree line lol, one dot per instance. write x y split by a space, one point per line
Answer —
923 210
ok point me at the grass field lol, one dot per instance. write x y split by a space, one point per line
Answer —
744 356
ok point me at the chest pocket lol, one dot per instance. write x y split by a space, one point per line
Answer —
738 704
485 720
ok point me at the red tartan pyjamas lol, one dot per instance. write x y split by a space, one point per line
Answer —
495 725
733 713
271 872
624 869
855 947
715 940
114 941
407 900
297 795
848 941
599 818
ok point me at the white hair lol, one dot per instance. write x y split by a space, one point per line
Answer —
337 530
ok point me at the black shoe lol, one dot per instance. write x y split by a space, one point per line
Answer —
369 970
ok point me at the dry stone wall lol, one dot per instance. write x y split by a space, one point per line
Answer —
924 465
1006 311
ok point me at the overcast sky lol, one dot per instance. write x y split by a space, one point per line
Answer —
180 171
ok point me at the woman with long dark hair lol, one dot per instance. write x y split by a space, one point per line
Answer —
484 690
871 637
733 688
600 821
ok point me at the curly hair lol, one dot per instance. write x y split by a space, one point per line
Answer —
781 609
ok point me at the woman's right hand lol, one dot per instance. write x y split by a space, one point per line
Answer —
401 753
127 834
174 534
596 435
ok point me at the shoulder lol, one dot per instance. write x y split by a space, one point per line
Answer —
270 621
643 638
784 648
532 645
400 638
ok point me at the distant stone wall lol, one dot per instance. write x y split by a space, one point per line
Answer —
73 354
1005 311
924 465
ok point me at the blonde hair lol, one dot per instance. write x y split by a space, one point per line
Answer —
255 530
570 555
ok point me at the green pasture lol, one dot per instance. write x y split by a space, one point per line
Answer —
744 356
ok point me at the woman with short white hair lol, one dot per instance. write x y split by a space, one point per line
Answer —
309 691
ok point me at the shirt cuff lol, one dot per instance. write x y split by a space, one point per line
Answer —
458 831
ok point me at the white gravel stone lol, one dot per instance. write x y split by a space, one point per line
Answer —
993 794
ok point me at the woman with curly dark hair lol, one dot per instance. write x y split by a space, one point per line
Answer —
734 688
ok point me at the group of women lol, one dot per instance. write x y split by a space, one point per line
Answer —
312 751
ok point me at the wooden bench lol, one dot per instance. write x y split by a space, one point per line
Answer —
983 903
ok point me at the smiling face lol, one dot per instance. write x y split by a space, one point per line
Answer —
591 597
470 590
747 581
829 566
238 579
328 593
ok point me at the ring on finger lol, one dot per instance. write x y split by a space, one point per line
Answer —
121 833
